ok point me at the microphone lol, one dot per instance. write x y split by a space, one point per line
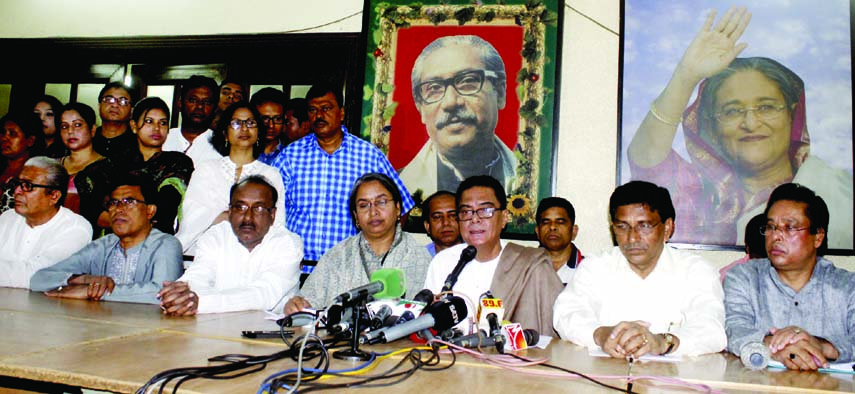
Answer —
465 257
380 317
385 283
482 339
441 315
425 296
496 332
755 355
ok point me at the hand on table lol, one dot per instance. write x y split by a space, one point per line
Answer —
177 299
296 304
628 339
97 286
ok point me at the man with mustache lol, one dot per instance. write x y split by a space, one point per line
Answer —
320 169
794 301
128 265
193 138
643 296
114 138
459 86
242 264
555 225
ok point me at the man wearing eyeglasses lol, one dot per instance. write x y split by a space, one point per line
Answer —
271 105
459 86
521 276
643 297
241 265
193 138
39 232
128 265
115 137
794 301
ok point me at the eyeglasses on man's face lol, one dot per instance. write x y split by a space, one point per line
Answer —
735 114
272 119
236 124
123 101
124 203
27 186
467 83
644 228
243 208
788 230
464 215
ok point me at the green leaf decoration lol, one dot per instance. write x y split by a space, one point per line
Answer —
367 92
464 15
389 112
387 88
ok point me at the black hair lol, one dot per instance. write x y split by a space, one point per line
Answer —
384 180
555 202
221 133
269 95
146 105
144 182
426 203
755 241
655 198
320 90
299 108
255 180
86 112
483 181
815 208
198 81
31 125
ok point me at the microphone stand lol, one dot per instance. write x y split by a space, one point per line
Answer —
354 354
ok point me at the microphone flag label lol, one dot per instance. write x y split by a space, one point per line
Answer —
487 306
514 334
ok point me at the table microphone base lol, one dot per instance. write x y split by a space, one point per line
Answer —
352 355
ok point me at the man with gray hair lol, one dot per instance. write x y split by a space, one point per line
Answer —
39 231
460 121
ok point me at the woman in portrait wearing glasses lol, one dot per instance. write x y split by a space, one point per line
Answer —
375 208
20 139
89 172
169 171
746 133
207 200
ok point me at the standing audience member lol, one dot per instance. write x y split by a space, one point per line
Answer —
643 297
207 200
114 137
128 265
555 225
247 263
795 301
89 172
439 212
319 171
755 244
48 109
521 276
193 138
20 139
39 232
231 92
270 103
297 123
375 208
169 171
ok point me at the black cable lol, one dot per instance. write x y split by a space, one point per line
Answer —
572 372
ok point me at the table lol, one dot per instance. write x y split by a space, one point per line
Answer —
118 346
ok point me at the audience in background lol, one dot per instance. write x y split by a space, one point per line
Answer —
555 226
20 139
231 92
114 137
128 265
755 244
439 213
89 171
48 109
270 103
297 123
247 263
39 232
193 138
207 200
169 171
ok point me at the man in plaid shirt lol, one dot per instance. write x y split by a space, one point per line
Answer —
319 170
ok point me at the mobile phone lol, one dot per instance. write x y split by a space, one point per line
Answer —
266 334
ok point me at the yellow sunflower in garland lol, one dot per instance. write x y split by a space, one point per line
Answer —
519 205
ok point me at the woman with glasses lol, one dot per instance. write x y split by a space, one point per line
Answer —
746 133
20 139
169 171
89 172
47 109
207 200
375 208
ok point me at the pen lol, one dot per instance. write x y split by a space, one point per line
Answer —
629 374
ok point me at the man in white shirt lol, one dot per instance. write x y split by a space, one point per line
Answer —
39 232
242 264
643 297
197 104
521 276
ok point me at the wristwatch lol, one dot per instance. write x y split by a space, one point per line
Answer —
669 341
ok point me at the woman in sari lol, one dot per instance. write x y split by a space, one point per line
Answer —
20 139
47 109
746 133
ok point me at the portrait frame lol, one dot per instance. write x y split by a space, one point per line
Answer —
526 34
814 45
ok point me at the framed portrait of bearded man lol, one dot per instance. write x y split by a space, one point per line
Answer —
455 89
722 103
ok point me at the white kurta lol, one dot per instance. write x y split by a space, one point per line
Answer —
682 295
200 150
228 277
208 196
25 250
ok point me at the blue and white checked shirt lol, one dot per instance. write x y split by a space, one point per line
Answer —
318 184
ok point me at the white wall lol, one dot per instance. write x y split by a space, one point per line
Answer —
589 79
